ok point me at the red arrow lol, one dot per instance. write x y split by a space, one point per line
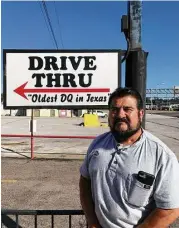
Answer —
21 90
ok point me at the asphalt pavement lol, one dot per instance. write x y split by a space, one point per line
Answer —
50 181
164 127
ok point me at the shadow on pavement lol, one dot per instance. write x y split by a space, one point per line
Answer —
7 149
8 222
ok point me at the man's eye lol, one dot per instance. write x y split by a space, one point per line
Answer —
113 109
127 109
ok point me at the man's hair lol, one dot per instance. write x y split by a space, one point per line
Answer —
123 92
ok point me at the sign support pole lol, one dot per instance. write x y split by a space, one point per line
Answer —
136 61
32 134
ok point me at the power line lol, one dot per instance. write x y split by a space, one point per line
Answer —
58 25
46 22
48 18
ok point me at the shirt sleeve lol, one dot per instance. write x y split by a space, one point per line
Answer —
84 167
167 184
84 171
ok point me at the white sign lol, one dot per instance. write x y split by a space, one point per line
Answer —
68 79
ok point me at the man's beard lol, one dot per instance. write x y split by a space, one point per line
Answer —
121 136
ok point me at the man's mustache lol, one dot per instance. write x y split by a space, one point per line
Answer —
120 121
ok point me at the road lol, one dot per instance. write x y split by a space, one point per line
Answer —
42 184
164 113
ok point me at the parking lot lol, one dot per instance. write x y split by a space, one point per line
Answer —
41 184
166 128
49 127
53 183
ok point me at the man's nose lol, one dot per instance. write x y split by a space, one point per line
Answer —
121 113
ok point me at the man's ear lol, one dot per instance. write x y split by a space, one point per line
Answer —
141 114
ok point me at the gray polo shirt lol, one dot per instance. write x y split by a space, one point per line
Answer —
120 200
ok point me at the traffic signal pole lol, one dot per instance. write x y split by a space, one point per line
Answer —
136 58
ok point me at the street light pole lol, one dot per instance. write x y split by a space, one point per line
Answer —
158 87
151 104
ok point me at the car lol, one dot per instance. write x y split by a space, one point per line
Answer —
96 112
100 113
175 107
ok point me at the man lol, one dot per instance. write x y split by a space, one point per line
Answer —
129 178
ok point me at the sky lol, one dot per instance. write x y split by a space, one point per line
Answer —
96 25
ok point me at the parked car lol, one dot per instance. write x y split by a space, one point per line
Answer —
98 113
175 107
165 107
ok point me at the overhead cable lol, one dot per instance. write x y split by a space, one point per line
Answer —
46 21
50 25
58 25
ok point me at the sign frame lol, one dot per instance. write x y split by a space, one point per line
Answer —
66 107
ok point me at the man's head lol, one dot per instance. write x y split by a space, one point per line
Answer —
125 113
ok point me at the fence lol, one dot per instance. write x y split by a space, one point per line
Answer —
44 136
10 223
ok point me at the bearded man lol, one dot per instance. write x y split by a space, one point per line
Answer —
129 177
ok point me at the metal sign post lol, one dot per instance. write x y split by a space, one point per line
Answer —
32 133
136 59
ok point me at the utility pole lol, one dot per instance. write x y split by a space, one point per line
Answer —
136 58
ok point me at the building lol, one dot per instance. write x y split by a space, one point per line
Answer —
49 113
